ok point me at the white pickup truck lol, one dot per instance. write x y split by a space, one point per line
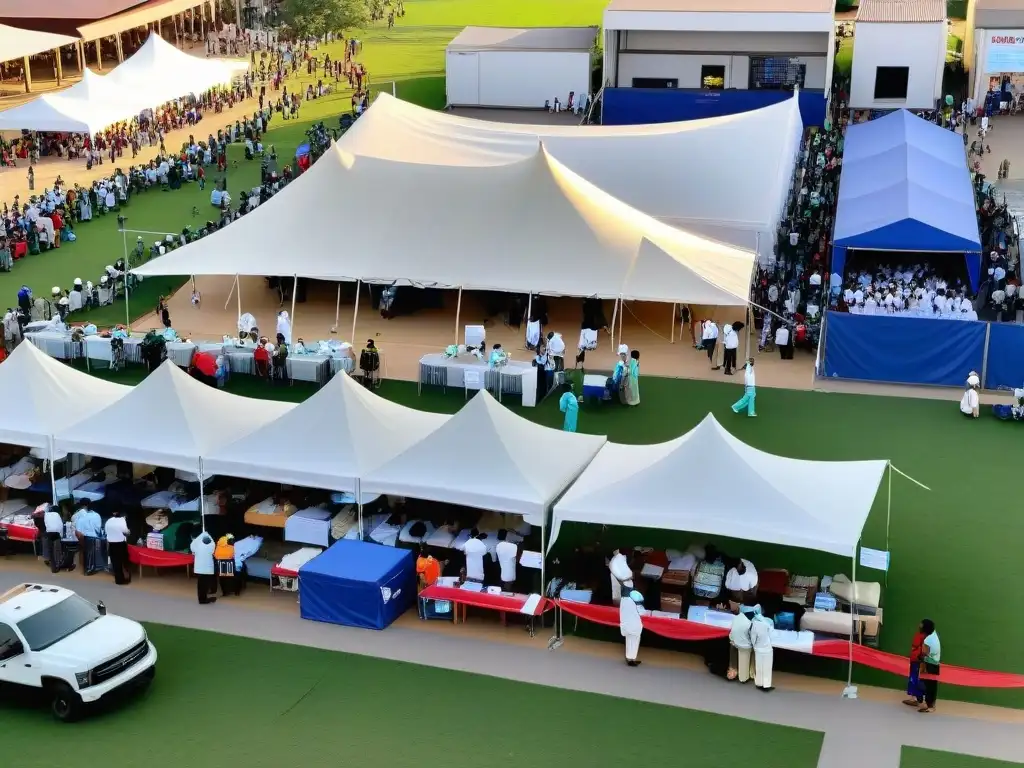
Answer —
53 641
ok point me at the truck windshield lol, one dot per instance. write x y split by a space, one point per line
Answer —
43 629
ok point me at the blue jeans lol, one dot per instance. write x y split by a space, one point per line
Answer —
914 687
747 402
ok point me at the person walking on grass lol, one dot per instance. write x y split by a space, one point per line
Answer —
747 402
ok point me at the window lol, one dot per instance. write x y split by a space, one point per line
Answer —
776 73
655 82
9 643
891 82
43 629
712 77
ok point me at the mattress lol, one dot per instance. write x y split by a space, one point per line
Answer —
15 508
93 491
385 533
344 522
22 466
406 538
309 526
868 593
169 500
442 538
296 560
269 514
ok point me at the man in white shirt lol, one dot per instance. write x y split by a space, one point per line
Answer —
631 625
117 547
969 403
204 568
506 552
621 575
474 550
741 580
708 339
747 402
739 639
54 525
782 336
764 655
732 342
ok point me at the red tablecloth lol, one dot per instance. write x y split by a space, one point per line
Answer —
278 571
19 249
157 558
507 603
674 629
21 532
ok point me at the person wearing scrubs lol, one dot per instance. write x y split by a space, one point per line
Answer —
621 574
749 391
739 639
569 405
764 657
631 625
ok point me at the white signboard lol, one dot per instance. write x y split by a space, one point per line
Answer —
874 558
1004 51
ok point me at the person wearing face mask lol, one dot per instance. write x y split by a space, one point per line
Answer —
202 548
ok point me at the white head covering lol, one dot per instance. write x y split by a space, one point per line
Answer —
284 327
973 380
623 349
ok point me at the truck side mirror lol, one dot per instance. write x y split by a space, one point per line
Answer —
101 608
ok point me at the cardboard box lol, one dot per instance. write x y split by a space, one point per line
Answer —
678 579
672 603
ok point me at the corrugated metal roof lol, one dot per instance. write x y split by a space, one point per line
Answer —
724 6
902 11
526 39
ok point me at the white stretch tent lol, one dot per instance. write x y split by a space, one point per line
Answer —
689 174
169 420
43 396
16 43
709 482
329 441
159 72
518 68
88 106
487 457
530 225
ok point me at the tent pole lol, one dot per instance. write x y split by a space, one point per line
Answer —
853 616
543 551
458 312
238 293
127 309
622 311
615 314
202 497
53 475
337 310
355 309
673 339
888 517
234 286
295 291
359 506
747 328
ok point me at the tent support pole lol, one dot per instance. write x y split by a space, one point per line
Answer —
238 294
543 553
622 312
359 507
53 475
888 517
529 308
853 617
747 327
458 313
127 311
202 497
337 310
355 309
615 315
234 287
295 291
673 339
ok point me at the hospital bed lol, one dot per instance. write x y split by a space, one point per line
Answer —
378 530
285 575
405 537
269 514
309 526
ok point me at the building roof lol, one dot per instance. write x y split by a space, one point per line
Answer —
724 6
62 18
999 5
529 39
902 11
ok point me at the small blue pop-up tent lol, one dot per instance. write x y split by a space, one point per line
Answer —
357 584
906 186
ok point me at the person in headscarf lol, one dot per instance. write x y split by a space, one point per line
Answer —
284 326
498 357
631 383
747 402
12 331
204 568
631 625
621 575
617 380
764 656
739 639
569 405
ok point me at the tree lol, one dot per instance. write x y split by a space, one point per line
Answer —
315 18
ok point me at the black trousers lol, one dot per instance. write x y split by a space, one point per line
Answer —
205 584
786 352
118 551
730 360
709 345
56 552
931 687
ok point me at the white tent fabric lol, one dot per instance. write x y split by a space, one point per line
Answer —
88 106
169 420
709 482
486 456
159 72
730 173
329 441
15 43
43 396
529 225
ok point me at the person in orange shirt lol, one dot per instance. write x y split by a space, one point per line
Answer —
428 569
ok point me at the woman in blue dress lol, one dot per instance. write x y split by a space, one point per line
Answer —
569 405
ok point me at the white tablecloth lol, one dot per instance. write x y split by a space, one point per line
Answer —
515 377
98 348
313 368
58 345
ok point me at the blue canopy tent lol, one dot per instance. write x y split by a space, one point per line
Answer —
905 186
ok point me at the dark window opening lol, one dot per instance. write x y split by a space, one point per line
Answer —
776 73
891 82
655 82
712 77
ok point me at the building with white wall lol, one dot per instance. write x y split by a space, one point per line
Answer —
994 46
899 54
731 55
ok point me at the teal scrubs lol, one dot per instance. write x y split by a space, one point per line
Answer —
570 407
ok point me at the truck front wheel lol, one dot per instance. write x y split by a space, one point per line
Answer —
65 704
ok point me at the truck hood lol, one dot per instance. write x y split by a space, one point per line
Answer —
97 642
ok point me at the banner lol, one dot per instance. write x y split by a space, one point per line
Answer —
1004 51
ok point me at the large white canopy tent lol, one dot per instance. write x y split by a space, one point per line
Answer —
701 175
531 225
88 106
487 457
16 43
707 481
329 441
169 420
44 396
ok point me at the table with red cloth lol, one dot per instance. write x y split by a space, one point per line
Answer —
159 558
503 603
20 532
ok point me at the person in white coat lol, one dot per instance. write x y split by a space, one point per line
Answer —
284 326
631 624
621 575
204 568
739 638
764 659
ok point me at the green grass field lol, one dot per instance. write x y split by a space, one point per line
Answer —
930 758
311 708
950 547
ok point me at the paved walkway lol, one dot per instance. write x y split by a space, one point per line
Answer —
857 733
